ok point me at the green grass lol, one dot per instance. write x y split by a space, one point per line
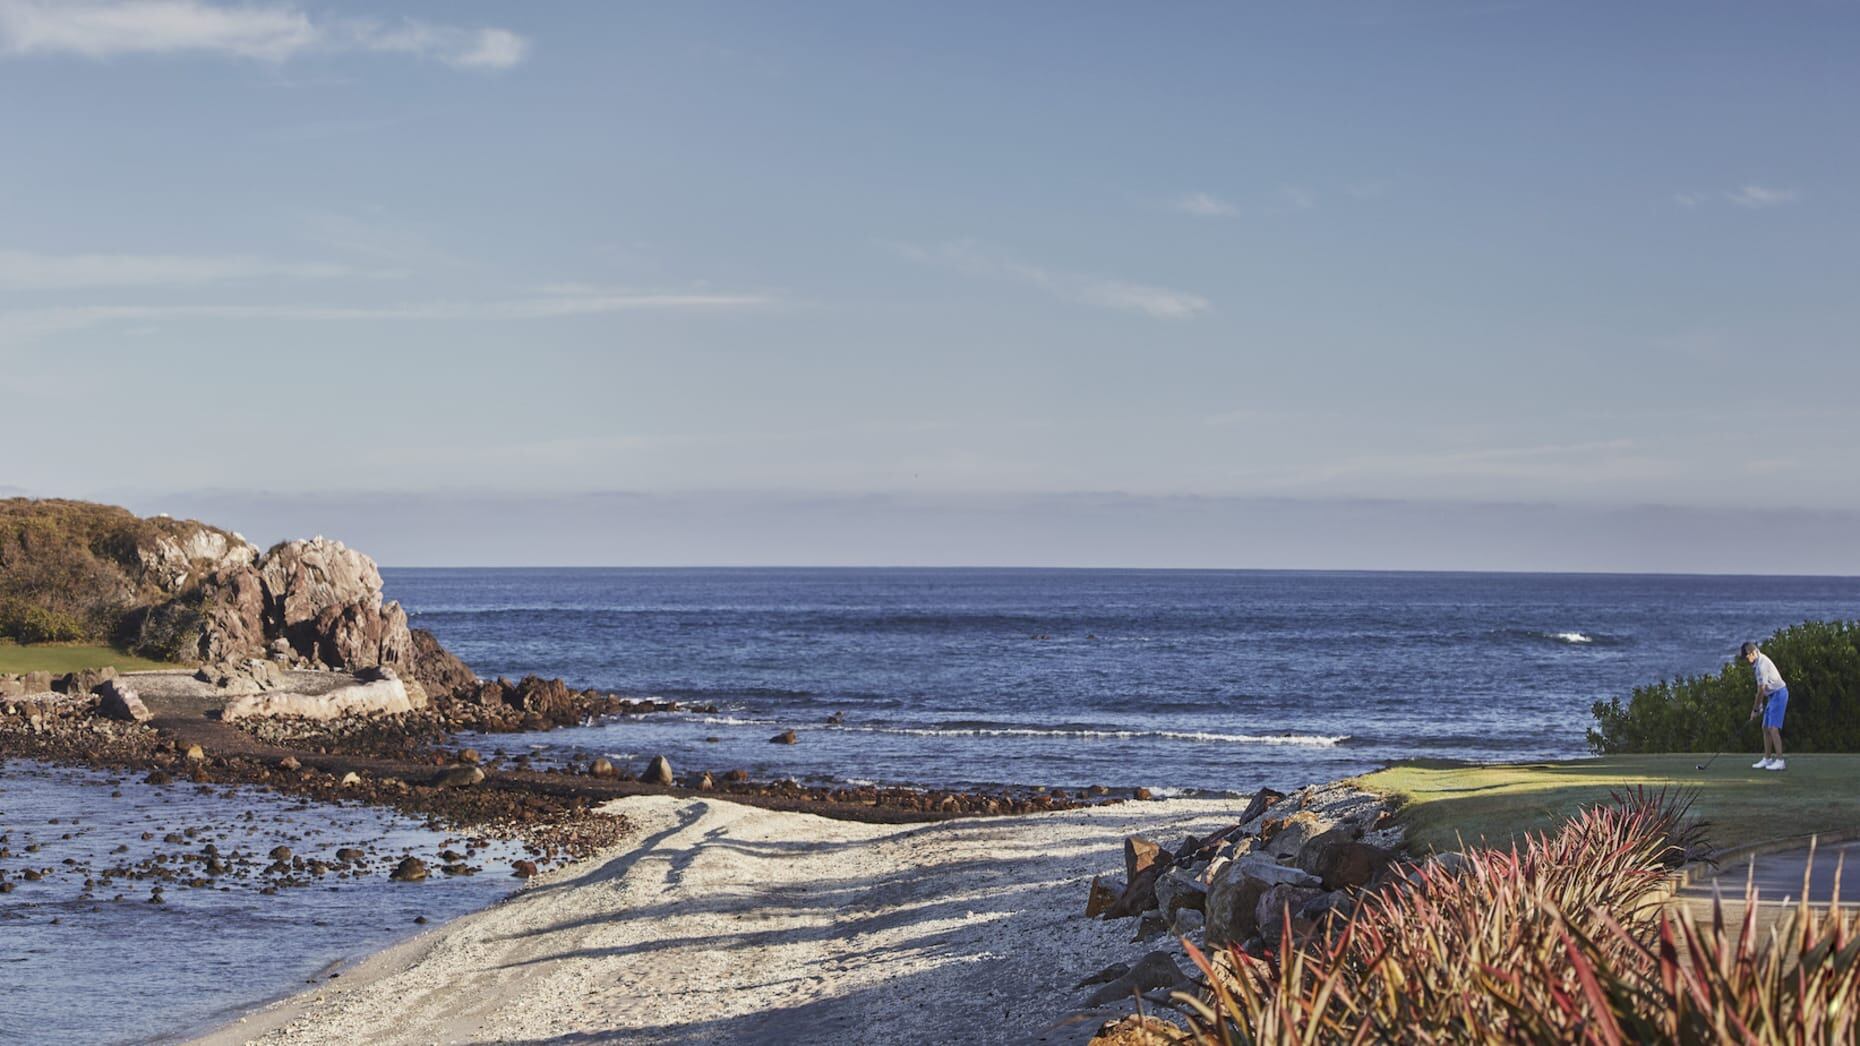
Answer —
59 658
1493 804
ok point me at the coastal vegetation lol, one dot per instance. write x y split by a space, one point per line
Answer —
1820 660
1447 806
1562 939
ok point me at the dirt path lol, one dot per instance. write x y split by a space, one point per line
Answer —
725 923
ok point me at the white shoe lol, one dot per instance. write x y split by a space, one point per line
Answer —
1761 764
1777 764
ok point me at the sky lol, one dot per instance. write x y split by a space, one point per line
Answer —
1370 284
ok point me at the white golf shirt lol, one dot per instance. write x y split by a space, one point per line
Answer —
1768 679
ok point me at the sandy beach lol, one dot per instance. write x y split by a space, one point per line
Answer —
719 922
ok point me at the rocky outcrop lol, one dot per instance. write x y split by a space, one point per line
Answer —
439 672
383 696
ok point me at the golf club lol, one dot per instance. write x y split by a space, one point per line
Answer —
1706 765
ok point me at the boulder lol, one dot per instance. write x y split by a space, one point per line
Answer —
409 870
786 737
36 682
440 673
701 781
1188 922
120 701
1307 858
82 681
195 754
1256 808
1141 853
602 767
523 868
1294 832
658 771
1177 889
1156 971
1139 896
11 686
1232 901
1351 865
463 775
350 780
1265 869
1273 905
1103 896
381 696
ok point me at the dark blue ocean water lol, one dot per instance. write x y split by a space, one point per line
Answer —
1217 680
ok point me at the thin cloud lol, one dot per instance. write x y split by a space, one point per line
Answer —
1754 197
1758 196
1203 205
1298 197
29 271
24 324
973 259
262 32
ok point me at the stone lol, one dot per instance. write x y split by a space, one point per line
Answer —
470 755
409 870
1232 901
83 681
349 855
1188 922
737 777
1139 896
1351 865
280 853
441 674
290 762
602 767
377 697
658 771
1260 866
1294 832
1138 1029
39 682
1177 889
1307 858
1104 976
461 776
1156 971
1256 808
523 869
702 782
11 686
1150 925
786 737
195 754
120 701
1141 853
1102 896
1278 901
350 780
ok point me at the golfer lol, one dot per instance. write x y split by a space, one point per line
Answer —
1772 701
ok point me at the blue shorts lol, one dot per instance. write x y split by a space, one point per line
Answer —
1773 711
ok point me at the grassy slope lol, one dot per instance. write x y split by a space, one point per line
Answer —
59 658
1818 793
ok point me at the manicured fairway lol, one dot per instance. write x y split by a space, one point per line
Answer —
1445 803
59 658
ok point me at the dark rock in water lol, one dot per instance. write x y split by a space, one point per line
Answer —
1143 793
409 870
280 853
523 869
420 920
458 777
737 777
159 777
120 701
786 737
658 772
349 855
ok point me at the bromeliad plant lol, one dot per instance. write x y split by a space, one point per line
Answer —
1566 939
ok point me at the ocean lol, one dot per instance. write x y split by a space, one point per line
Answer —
1206 681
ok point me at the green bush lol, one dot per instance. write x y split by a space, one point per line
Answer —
34 624
1820 660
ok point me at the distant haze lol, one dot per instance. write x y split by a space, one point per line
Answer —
1085 530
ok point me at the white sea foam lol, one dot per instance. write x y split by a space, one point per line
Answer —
1572 637
1306 740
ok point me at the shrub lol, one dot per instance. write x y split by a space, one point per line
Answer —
35 624
1820 660
1565 941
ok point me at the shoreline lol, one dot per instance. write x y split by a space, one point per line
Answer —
720 920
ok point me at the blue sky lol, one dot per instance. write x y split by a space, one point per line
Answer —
1557 257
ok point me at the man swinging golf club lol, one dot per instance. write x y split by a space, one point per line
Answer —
1772 701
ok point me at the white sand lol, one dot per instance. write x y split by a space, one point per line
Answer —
728 923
